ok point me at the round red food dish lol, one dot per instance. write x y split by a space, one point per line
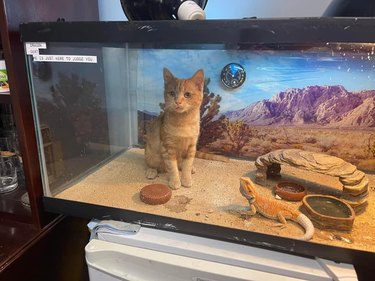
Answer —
155 194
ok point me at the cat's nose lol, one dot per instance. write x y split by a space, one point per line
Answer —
178 102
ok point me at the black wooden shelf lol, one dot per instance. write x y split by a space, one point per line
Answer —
13 236
12 207
5 98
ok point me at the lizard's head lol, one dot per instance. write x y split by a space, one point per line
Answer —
247 188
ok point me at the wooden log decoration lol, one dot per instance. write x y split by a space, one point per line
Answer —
355 183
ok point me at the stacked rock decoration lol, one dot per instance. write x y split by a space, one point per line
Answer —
355 183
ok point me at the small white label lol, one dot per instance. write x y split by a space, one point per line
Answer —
32 48
66 58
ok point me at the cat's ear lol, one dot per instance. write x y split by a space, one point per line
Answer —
167 74
198 79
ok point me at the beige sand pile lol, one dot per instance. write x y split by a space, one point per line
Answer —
214 197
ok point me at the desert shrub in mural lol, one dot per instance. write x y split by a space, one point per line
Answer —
239 134
368 162
370 149
218 128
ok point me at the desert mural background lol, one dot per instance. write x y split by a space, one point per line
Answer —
319 99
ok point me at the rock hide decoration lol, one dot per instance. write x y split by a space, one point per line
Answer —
355 182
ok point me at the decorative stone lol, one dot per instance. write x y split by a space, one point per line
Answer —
328 212
355 182
155 194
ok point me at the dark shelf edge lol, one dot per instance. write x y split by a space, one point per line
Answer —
24 218
15 236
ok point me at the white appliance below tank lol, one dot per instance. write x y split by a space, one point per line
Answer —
153 254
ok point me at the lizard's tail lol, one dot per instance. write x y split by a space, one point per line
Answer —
306 223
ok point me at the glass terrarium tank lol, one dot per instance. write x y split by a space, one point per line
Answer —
286 127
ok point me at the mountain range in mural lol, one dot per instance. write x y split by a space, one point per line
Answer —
331 106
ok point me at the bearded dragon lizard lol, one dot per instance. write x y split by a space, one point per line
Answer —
273 209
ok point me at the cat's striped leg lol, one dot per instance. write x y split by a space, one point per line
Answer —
170 161
153 161
187 167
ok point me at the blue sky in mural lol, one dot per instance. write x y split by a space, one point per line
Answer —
268 72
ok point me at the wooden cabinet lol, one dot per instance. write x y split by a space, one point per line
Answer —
20 225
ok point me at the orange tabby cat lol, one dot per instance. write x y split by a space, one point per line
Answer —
172 137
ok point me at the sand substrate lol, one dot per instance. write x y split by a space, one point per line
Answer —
215 199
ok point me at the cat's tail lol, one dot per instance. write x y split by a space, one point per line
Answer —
209 156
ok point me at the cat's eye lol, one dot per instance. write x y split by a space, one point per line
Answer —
187 95
172 93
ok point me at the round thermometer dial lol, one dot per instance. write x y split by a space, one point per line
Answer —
233 75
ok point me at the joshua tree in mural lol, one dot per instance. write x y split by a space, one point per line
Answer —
239 134
211 130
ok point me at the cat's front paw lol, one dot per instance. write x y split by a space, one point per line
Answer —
186 181
174 183
151 173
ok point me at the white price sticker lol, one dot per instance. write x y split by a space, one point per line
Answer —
65 58
32 48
